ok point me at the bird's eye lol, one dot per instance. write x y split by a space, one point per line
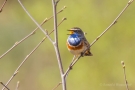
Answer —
78 31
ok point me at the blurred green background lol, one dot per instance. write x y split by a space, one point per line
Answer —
103 71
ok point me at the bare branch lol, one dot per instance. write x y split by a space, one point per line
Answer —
130 1
35 22
114 22
70 66
22 64
18 68
32 33
56 86
3 6
124 71
54 4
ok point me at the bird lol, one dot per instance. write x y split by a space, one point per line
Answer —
77 43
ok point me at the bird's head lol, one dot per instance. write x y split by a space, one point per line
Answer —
75 30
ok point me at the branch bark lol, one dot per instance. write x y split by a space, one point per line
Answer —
63 80
108 28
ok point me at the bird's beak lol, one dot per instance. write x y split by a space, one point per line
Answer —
71 32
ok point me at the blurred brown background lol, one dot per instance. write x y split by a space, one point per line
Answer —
103 71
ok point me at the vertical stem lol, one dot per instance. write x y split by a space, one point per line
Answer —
54 4
125 78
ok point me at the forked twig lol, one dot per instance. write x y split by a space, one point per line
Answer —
30 34
3 6
44 31
18 68
114 22
124 71
56 47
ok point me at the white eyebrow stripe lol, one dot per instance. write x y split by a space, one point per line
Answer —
74 29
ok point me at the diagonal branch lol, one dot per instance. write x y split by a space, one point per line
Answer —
44 31
30 34
108 28
57 86
18 68
3 6
113 23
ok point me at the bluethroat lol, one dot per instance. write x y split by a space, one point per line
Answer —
77 43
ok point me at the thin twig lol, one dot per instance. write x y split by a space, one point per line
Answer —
70 66
44 31
30 34
54 4
18 68
17 85
108 28
3 6
124 71
57 86
22 64
113 23
4 85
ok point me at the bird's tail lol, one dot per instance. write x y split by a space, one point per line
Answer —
88 53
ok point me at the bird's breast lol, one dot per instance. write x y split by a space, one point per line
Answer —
74 40
74 43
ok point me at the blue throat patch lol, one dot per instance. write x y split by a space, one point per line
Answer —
74 40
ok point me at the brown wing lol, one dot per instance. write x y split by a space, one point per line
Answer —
87 53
